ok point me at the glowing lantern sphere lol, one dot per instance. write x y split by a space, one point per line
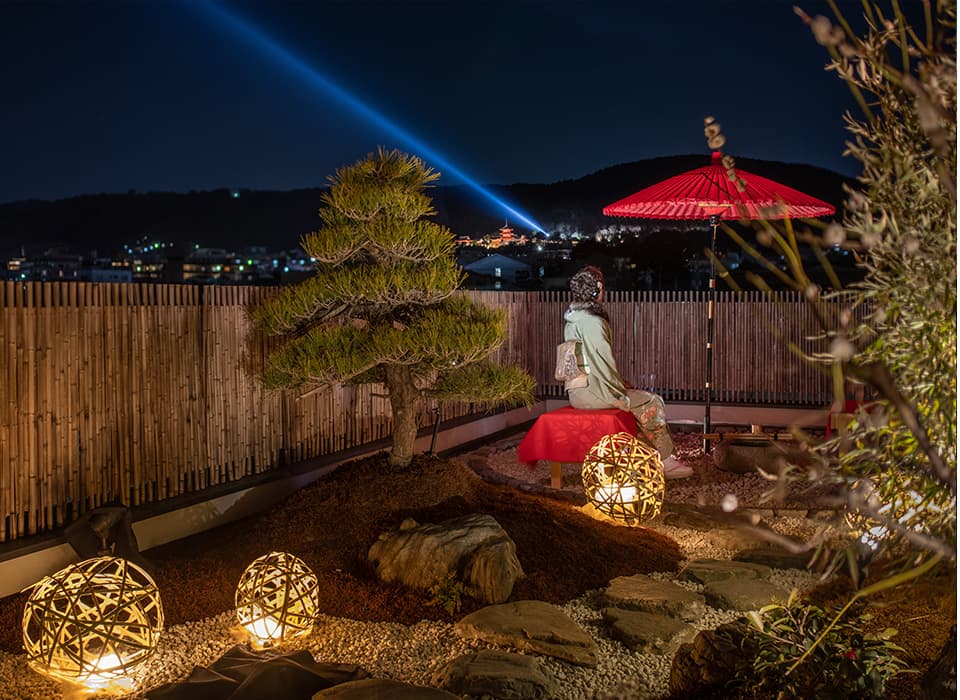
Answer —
623 478
93 622
277 597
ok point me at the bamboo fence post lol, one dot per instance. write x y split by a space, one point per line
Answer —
145 391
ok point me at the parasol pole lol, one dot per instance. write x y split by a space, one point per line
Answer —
712 295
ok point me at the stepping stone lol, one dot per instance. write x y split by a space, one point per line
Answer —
709 570
699 518
496 674
382 689
774 557
648 633
531 625
643 593
735 539
743 594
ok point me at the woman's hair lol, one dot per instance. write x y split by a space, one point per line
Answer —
585 286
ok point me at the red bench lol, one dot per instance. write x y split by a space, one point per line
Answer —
567 434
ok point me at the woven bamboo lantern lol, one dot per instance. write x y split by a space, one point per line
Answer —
277 598
92 623
623 478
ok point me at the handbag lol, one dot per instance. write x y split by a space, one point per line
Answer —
571 369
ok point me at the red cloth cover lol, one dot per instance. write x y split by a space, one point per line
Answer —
850 406
567 434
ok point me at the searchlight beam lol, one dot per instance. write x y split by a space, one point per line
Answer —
285 58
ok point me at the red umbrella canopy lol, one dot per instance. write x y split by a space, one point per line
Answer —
701 193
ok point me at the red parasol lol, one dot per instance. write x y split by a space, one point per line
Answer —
711 193
701 193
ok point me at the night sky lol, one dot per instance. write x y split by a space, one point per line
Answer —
111 95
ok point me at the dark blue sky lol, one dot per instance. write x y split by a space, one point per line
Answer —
109 95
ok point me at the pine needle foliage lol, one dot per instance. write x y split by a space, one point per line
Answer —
382 306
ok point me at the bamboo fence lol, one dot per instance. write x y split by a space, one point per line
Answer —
136 393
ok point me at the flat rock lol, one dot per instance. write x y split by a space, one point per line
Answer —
496 674
699 518
774 557
709 570
742 594
640 592
473 547
714 524
648 633
531 625
736 539
382 689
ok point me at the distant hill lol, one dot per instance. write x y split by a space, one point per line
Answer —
277 219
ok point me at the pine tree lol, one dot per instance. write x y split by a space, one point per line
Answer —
382 306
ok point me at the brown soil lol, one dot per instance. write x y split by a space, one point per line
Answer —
332 523
922 612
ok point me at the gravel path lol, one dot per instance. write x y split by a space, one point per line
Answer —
405 653
414 653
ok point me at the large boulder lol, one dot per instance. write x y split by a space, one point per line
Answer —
531 625
703 668
473 547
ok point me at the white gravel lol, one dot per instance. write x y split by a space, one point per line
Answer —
413 653
399 652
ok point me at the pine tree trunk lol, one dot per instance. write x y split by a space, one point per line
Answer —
403 402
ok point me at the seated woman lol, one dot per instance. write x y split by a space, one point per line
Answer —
587 322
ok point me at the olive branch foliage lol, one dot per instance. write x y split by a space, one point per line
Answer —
894 333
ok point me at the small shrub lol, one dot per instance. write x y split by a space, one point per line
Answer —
847 663
447 593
